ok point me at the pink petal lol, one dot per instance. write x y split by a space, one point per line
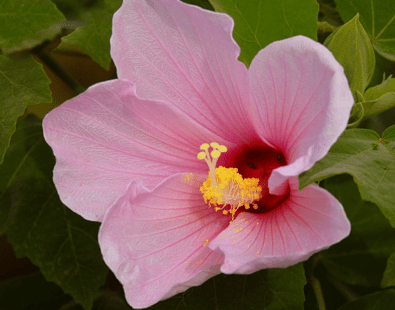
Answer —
309 221
185 56
107 137
156 244
301 101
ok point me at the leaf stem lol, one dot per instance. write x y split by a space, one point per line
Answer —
60 72
315 283
349 294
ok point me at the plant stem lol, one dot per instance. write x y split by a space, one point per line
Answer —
60 72
315 283
348 293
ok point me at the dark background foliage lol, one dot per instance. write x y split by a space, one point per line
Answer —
50 258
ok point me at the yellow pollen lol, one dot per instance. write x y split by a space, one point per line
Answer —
204 146
201 155
206 242
215 154
225 188
188 177
222 148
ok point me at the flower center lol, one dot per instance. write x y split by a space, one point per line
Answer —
225 188
258 160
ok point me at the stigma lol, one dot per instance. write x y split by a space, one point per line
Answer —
225 188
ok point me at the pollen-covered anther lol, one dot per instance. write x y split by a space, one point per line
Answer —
225 188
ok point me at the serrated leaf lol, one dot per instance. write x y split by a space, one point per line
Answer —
379 98
48 34
360 259
269 289
389 274
369 159
259 22
21 20
377 301
378 19
22 82
94 37
352 49
62 244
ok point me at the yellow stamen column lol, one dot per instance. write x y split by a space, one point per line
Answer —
225 186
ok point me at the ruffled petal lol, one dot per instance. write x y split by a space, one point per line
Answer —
309 221
301 102
185 56
107 137
157 243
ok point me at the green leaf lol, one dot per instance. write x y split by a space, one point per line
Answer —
259 23
379 98
351 47
389 134
48 34
378 18
62 244
369 159
269 289
360 259
389 274
22 82
377 301
325 27
94 37
23 19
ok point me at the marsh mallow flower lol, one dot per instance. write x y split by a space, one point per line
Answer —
190 160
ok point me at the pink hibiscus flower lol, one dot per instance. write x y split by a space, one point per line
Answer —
133 153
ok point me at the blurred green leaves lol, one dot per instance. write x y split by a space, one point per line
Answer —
31 292
389 274
22 82
259 23
62 244
369 159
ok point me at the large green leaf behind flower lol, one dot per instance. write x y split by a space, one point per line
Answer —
94 37
22 82
378 19
261 22
269 289
384 300
369 159
361 258
62 244
24 19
